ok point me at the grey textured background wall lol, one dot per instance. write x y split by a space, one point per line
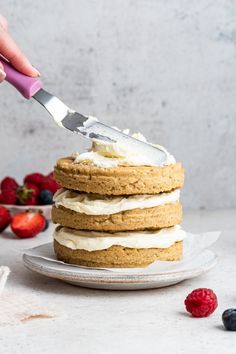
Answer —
165 68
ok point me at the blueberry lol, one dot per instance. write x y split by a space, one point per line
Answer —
229 319
46 225
45 197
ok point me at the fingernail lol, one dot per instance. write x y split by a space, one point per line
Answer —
38 73
2 75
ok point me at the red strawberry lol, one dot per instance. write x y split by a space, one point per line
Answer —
34 178
50 184
8 196
33 188
28 194
9 183
5 218
28 224
32 201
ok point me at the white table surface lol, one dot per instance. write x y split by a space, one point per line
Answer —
147 321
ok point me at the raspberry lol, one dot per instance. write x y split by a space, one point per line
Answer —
201 302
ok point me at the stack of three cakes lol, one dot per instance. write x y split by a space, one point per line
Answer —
115 214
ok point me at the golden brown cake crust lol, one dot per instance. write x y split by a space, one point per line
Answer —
118 256
121 180
137 219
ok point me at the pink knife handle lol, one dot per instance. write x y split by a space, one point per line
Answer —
26 85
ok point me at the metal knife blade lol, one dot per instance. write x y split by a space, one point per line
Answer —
91 128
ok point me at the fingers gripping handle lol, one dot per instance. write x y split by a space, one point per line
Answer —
26 85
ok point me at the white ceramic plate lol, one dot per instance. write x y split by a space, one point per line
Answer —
160 274
14 209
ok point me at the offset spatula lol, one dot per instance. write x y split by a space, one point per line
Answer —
65 117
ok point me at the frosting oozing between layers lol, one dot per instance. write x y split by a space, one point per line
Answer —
107 155
94 204
94 241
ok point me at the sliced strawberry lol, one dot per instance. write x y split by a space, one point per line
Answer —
9 183
28 194
34 178
50 184
28 224
5 218
8 196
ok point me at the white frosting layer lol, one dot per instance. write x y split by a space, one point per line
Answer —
107 155
94 241
91 120
92 204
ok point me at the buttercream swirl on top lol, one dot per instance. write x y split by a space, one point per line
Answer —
107 155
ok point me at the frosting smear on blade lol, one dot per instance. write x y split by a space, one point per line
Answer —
95 204
94 241
107 155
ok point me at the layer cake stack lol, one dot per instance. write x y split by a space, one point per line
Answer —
117 210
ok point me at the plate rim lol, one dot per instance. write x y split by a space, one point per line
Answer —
118 278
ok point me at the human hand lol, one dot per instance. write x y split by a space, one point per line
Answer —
13 54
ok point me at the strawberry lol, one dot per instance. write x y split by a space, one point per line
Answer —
5 218
50 184
8 196
9 183
34 178
28 194
28 224
32 201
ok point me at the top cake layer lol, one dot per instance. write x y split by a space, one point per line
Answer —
121 180
111 169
